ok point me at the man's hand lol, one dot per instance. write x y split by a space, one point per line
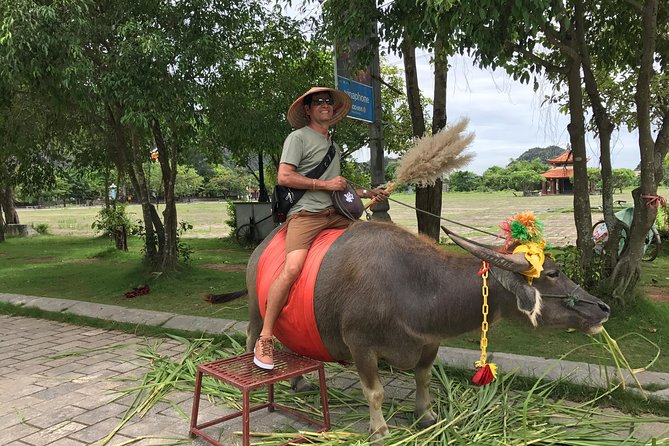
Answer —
336 183
377 194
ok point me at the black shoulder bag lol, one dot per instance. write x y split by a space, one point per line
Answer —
283 198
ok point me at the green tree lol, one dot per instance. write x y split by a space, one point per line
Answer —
583 48
279 60
524 180
463 181
536 165
227 182
139 73
622 178
494 178
405 25
595 177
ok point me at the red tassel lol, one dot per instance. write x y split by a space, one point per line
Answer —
484 375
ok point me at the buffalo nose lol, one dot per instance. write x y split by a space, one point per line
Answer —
605 308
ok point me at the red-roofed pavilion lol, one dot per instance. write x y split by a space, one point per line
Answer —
558 177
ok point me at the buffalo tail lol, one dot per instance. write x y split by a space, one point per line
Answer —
222 298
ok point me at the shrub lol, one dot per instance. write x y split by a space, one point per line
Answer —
569 259
114 222
232 218
184 250
110 218
41 228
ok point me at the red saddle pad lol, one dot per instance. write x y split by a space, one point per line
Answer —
296 326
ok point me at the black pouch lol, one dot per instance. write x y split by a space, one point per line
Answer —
347 203
283 198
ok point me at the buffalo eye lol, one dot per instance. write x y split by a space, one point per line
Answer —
553 274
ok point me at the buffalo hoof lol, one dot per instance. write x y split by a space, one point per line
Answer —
376 439
300 384
427 419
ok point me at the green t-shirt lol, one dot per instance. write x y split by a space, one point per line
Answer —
305 148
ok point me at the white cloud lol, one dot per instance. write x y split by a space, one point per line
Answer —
508 117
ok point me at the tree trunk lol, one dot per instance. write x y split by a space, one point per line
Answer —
434 197
121 238
107 183
127 159
604 130
167 156
439 116
576 128
7 204
263 195
626 274
2 226
428 199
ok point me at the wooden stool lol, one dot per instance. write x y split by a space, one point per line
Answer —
242 373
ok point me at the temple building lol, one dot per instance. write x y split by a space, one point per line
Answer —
558 177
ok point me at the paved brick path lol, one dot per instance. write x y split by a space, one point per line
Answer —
71 400
67 401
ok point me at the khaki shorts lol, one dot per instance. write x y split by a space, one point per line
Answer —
304 227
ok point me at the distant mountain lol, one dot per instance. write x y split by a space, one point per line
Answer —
543 153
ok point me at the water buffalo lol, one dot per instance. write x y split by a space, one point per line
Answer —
383 293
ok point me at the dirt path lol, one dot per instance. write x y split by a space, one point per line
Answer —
487 212
658 294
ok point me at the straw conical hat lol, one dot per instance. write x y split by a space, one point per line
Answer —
342 104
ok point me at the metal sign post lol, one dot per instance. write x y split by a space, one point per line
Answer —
364 89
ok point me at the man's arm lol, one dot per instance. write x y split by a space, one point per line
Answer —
289 177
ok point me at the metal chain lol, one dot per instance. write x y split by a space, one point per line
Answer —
484 325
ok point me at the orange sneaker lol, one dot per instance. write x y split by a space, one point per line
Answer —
263 355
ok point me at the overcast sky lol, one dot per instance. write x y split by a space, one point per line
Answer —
507 116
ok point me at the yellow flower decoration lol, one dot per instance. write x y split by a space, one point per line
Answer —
534 254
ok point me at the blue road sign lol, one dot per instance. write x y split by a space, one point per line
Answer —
362 97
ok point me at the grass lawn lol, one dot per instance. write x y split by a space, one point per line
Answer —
208 218
91 270
87 268
484 210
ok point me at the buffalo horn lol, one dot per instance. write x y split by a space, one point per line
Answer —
510 262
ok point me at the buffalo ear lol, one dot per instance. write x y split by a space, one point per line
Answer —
528 298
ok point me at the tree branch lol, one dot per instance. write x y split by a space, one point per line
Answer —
392 88
636 5
549 66
557 40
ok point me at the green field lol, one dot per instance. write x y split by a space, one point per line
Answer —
208 218
477 209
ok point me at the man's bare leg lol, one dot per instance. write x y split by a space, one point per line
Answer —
276 300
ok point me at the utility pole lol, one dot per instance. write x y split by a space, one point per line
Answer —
380 209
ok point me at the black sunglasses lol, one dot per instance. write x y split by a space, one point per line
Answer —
322 101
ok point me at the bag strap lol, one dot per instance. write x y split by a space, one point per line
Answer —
319 170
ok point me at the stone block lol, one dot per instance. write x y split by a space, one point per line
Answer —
16 230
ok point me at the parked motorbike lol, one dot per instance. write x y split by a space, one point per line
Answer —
651 245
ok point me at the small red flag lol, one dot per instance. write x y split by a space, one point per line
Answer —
485 375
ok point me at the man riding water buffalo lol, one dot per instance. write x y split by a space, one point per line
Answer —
376 292
311 115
